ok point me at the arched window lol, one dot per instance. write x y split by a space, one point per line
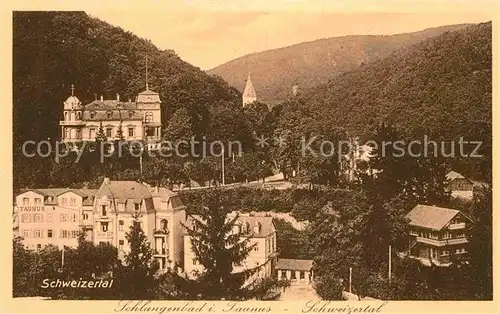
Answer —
247 227
163 224
65 116
68 133
130 114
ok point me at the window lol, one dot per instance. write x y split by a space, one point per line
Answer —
108 132
294 275
49 233
109 114
103 210
26 201
104 226
163 224
302 274
49 217
163 205
85 216
63 201
120 245
64 234
131 132
37 218
130 114
194 261
149 117
137 206
65 116
38 201
72 201
74 218
256 248
62 218
121 206
91 133
120 225
25 218
74 234
26 233
78 133
38 233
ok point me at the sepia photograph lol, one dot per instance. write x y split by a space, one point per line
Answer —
191 153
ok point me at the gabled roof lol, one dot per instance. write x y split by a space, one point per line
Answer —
452 175
249 89
294 264
431 217
266 223
124 190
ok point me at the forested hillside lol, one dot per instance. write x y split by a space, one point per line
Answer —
309 64
53 50
440 87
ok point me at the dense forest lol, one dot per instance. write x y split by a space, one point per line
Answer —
309 64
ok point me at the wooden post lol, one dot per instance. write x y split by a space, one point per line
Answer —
390 264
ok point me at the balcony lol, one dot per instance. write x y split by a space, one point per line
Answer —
457 226
443 242
102 217
72 123
161 252
104 234
85 223
160 232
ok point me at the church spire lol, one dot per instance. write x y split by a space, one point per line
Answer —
249 94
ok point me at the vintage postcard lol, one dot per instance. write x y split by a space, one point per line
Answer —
249 157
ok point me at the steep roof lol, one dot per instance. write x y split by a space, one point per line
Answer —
431 217
124 190
249 89
294 264
266 223
452 175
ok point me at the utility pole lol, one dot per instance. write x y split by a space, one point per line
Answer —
390 264
140 163
62 258
223 176
350 279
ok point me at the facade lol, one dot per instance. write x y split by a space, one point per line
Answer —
139 120
55 216
437 234
161 213
459 186
249 94
52 216
297 271
260 230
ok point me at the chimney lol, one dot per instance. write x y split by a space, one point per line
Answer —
295 90
117 97
102 98
106 180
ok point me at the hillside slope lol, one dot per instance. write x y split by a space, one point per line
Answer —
309 64
440 87
52 50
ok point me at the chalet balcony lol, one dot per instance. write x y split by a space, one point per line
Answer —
104 234
457 226
443 242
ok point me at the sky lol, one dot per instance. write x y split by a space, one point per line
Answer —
209 33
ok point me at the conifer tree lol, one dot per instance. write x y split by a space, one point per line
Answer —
119 132
100 135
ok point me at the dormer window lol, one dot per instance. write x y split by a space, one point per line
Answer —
92 114
109 114
137 207
257 228
130 114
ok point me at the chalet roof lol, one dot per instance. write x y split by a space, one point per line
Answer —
249 89
294 264
430 217
452 175
266 223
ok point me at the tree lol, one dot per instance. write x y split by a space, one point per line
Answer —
100 135
22 262
219 250
137 277
480 236
119 132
